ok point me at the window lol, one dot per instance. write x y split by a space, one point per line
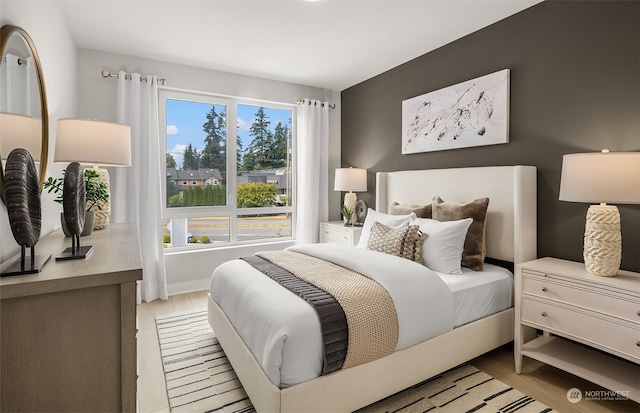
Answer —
229 170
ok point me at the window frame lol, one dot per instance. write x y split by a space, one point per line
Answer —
230 210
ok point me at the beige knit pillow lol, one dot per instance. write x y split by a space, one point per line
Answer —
403 242
421 211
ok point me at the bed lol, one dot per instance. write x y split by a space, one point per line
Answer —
510 237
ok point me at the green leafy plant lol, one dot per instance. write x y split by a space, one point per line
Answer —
347 213
205 240
256 194
95 191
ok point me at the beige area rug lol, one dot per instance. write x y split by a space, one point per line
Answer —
200 379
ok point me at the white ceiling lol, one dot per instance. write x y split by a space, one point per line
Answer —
328 44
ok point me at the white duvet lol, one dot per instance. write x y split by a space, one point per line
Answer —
283 331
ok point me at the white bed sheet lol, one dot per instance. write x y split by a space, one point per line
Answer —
478 294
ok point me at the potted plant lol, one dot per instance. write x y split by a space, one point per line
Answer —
95 192
347 213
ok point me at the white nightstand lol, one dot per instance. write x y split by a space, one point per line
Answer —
335 231
572 306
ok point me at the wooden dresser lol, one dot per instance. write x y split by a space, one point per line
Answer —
68 334
590 324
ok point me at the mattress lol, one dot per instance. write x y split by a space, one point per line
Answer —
478 294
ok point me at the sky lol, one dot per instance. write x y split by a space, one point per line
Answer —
185 120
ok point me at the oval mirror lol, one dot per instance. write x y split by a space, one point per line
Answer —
24 119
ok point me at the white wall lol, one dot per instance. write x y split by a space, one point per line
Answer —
189 271
58 54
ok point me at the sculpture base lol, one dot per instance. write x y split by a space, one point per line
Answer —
17 266
75 254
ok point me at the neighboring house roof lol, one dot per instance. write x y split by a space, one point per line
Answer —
201 174
274 175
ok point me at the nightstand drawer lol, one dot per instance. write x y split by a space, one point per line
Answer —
336 232
590 328
608 303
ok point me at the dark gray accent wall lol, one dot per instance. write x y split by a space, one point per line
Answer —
575 87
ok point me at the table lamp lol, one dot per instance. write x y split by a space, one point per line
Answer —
20 131
95 143
601 177
351 179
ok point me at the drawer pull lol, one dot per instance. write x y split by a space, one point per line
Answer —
638 313
638 343
544 289
544 314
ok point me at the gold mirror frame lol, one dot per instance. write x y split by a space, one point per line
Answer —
5 34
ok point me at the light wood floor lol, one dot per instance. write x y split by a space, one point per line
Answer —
544 383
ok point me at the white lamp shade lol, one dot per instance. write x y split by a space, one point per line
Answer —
20 131
351 179
601 177
93 142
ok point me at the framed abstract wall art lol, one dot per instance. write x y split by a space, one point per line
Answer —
471 113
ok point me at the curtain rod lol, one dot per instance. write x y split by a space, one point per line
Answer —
106 73
332 105
21 60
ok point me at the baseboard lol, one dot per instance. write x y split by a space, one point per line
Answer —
188 287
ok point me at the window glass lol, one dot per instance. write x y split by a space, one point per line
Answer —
196 138
205 168
200 231
264 226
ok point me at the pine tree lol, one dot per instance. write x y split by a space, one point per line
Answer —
191 158
258 152
208 195
219 195
214 154
198 196
171 161
239 152
280 146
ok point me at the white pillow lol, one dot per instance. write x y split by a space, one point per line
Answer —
392 221
442 250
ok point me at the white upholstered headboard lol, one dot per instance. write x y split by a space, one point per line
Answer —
511 217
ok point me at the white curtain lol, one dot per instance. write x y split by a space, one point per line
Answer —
313 170
19 86
138 189
32 89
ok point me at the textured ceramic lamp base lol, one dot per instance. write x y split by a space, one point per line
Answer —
104 213
350 200
602 240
